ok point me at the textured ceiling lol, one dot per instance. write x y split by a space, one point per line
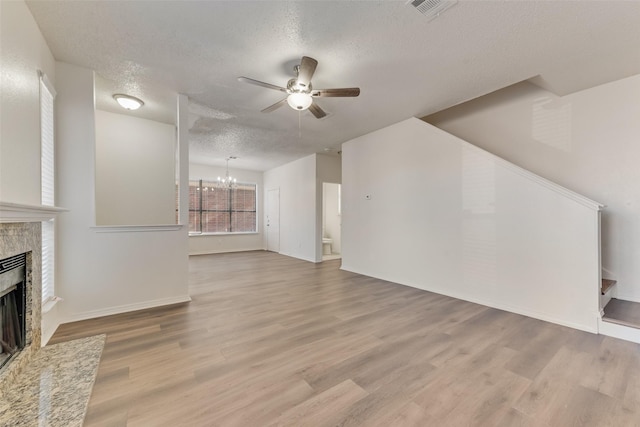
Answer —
404 64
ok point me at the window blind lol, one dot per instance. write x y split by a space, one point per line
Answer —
48 259
47 94
222 210
47 136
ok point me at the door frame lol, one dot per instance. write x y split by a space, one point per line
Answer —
269 244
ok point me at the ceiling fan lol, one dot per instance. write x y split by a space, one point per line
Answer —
299 91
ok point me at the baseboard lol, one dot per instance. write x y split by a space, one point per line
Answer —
299 257
497 305
49 322
212 252
47 334
604 299
126 308
619 331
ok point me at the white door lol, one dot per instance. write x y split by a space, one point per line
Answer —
273 220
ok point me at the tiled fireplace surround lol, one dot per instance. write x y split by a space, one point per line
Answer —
17 238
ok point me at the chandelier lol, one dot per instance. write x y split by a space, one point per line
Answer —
228 182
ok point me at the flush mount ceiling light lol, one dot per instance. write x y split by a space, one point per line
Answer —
127 101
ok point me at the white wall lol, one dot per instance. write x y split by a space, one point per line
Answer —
208 244
105 270
330 215
586 141
425 209
298 206
23 51
300 184
135 170
329 168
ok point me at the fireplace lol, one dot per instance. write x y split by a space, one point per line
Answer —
20 252
21 235
13 299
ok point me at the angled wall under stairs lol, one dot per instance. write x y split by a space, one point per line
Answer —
426 209
568 140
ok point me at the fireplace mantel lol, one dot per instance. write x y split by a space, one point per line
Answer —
16 212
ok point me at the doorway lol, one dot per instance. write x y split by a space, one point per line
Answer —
273 220
331 221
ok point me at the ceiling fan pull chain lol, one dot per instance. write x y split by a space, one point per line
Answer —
300 124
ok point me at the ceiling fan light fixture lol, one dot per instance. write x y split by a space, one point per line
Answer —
128 102
300 92
299 101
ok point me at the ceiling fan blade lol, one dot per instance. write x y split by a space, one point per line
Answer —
263 84
306 70
347 91
274 106
317 111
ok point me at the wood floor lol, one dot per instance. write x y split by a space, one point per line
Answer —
271 340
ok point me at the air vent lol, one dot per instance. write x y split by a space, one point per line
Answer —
432 8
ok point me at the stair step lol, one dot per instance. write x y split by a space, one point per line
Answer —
621 322
606 285
622 312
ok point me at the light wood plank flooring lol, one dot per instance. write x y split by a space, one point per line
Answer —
274 341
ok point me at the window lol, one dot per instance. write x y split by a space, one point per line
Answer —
221 210
48 259
47 95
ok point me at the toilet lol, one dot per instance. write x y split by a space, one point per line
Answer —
326 245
